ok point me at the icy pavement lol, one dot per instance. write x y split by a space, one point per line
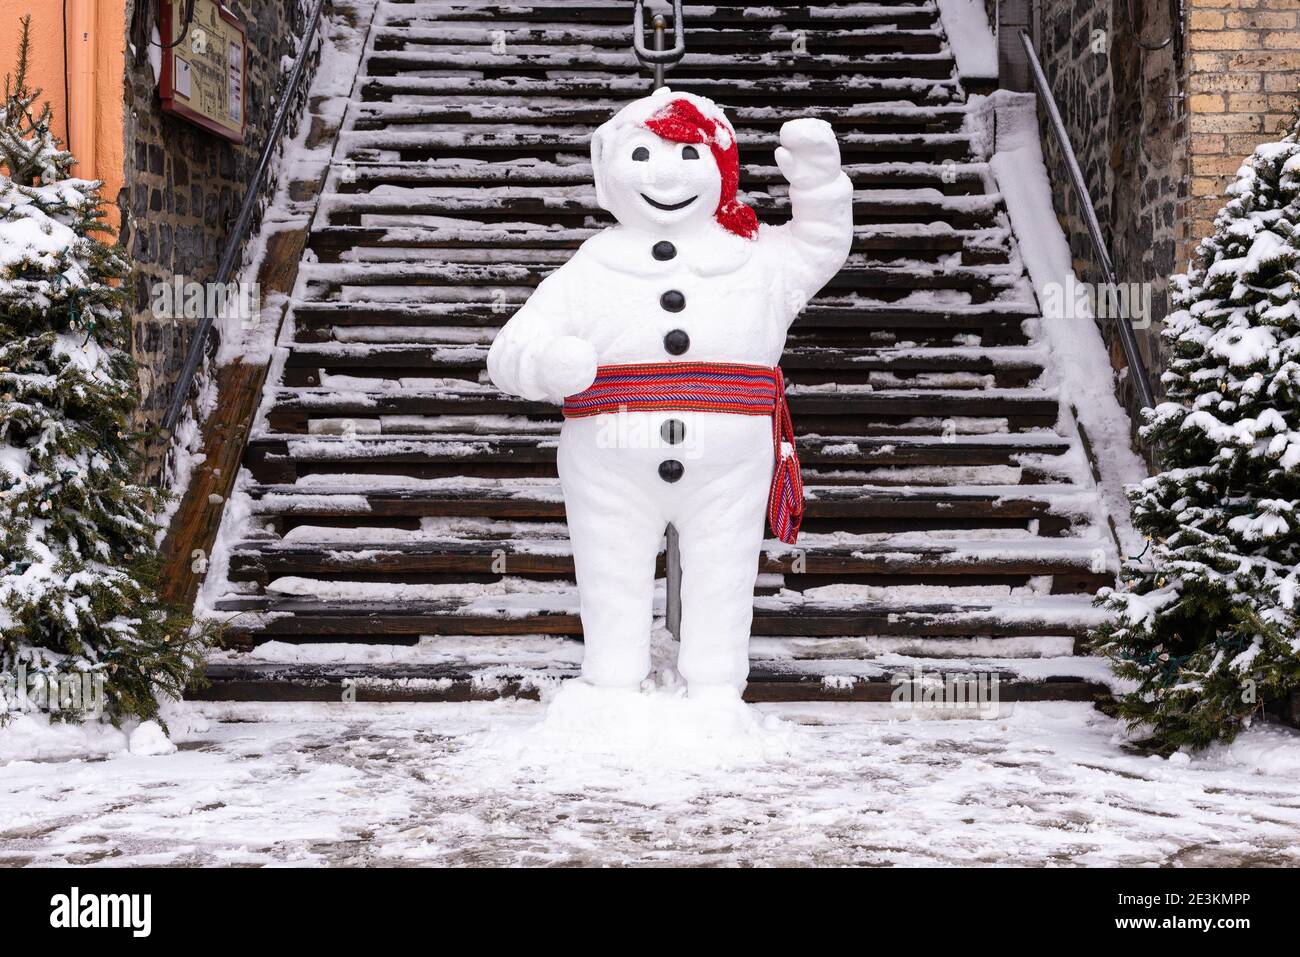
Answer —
490 784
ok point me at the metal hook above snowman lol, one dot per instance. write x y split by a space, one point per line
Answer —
661 336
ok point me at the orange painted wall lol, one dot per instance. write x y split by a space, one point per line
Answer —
102 111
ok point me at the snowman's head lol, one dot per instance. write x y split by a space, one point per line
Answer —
668 163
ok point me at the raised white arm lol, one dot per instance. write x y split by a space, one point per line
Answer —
819 235
534 356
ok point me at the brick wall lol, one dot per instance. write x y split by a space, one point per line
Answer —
1243 72
185 186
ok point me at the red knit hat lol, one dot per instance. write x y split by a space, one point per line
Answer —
680 121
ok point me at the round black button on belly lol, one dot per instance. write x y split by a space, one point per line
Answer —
663 250
673 301
677 342
670 470
672 431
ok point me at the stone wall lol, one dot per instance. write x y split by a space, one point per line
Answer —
1123 108
185 187
1160 133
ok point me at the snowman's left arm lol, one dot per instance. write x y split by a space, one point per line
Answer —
813 246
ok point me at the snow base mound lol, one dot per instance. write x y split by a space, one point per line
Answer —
655 727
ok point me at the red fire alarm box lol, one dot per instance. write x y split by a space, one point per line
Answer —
204 66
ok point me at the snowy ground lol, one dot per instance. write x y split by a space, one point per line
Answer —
494 784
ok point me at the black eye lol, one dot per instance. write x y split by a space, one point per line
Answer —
690 153
641 154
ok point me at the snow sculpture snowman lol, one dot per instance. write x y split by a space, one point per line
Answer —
661 337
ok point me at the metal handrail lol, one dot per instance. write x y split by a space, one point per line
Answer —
1127 338
235 239
659 57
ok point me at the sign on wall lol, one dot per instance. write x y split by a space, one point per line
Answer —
204 76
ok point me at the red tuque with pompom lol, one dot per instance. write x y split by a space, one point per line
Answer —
681 122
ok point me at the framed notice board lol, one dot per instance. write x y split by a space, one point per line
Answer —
204 76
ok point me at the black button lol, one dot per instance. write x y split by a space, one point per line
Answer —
673 431
663 250
670 470
673 301
677 342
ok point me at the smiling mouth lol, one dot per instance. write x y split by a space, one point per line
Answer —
669 206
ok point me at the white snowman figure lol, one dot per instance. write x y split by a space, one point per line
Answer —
683 309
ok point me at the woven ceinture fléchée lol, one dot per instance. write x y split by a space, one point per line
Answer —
723 387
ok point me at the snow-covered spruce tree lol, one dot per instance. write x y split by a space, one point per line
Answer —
76 535
1207 625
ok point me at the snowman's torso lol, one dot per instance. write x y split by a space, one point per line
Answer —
706 296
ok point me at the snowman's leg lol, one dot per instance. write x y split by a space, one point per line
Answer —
720 544
616 533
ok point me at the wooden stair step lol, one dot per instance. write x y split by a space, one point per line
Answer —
504 500
959 178
577 139
451 682
904 16
291 409
274 459
439 358
471 110
1069 561
960 212
978 245
701 39
519 60
493 276
786 90
822 312
262 618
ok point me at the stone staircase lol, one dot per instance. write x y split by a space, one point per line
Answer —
399 528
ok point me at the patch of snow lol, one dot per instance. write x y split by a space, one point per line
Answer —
150 739
34 737
970 37
1083 367
504 783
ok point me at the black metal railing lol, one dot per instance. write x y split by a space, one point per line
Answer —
659 58
238 232
1123 327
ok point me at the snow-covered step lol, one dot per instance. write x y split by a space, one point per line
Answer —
1048 506
791 90
856 318
260 681
876 244
953 178
518 33
539 141
1075 565
855 627
285 458
465 298
486 204
482 282
539 59
900 15
968 367
473 109
291 410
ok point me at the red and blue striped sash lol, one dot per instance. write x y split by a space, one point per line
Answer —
736 388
